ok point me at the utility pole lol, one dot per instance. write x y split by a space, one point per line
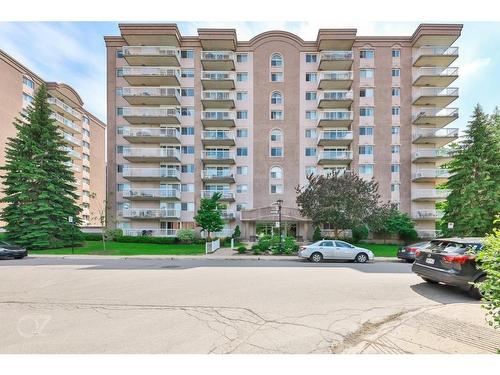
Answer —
280 202
70 219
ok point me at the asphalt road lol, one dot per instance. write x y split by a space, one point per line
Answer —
64 305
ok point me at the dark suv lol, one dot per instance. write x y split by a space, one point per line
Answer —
451 261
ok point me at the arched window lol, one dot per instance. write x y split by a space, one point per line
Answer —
276 135
276 172
276 97
276 60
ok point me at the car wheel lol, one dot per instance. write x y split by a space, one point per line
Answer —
361 258
428 280
474 292
316 257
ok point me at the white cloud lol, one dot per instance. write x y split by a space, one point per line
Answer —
470 68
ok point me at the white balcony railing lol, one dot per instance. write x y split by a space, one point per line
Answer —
152 193
217 154
227 215
217 135
424 214
335 95
433 153
74 167
430 193
150 51
336 115
150 213
150 232
428 233
435 51
225 194
71 139
436 91
150 71
436 112
336 75
217 95
151 132
432 173
336 55
217 76
151 91
71 152
437 72
218 115
335 135
217 173
152 152
335 155
63 120
152 111
66 108
217 55
152 172
438 133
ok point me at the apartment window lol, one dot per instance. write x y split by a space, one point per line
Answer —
311 77
365 130
395 111
241 95
242 170
123 187
119 111
276 115
241 206
119 149
311 169
85 156
366 73
276 77
86 180
187 73
276 135
119 168
242 115
86 169
241 151
119 53
243 188
241 77
310 151
242 57
187 206
395 130
311 133
311 115
366 92
366 168
242 133
86 120
366 150
187 54
120 130
187 130
311 95
395 149
276 60
276 173
396 53
366 54
276 151
187 150
85 144
86 193
85 132
187 92
123 206
394 168
276 189
396 91
187 188
276 98
396 72
119 72
119 91
366 111
28 98
28 82
187 168
187 111
311 58
394 187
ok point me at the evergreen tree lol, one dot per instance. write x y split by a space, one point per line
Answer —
38 186
208 216
475 182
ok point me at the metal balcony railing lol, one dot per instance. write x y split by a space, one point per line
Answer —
152 193
335 155
437 71
217 55
218 173
217 135
66 108
435 51
336 95
151 213
152 172
150 51
151 132
63 120
217 154
217 95
218 115
227 215
217 76
150 232
424 214
152 152
428 234
336 115
71 152
438 133
436 112
151 91
150 71
334 135
336 75
433 153
336 55
432 173
225 194
430 193
70 138
151 111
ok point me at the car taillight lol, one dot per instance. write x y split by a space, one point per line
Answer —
412 250
460 259
417 253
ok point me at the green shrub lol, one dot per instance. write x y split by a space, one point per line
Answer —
147 239
186 235
256 250
236 233
112 234
92 237
359 233
265 243
241 249
290 245
317 234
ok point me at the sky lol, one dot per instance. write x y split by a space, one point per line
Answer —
74 53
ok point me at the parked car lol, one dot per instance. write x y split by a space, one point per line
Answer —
333 249
451 261
408 252
8 250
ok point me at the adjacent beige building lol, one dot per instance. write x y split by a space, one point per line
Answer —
191 115
84 134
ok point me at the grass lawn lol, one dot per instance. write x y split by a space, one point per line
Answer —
117 248
380 250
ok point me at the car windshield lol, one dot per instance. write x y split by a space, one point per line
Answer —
452 247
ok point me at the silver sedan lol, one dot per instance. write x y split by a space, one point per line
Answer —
333 249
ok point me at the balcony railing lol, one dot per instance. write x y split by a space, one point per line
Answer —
151 132
151 91
151 213
431 173
71 139
152 193
154 71
151 112
334 135
336 115
68 123
72 152
74 167
217 135
217 76
424 214
218 115
435 72
335 155
433 153
227 215
436 112
436 91
335 95
435 51
225 194
152 172
217 154
150 232
152 152
428 234
150 51
436 133
336 76
215 174
430 193
217 55
217 95
336 55
66 108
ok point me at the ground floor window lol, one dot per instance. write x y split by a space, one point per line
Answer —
272 229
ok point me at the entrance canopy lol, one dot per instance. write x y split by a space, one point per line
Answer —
271 214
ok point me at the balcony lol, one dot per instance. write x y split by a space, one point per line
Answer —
335 138
64 122
151 174
218 99
435 96
217 138
152 135
227 215
435 56
146 155
339 80
427 214
217 60
438 137
152 194
429 195
218 118
436 77
151 95
217 157
435 117
428 234
335 99
72 153
217 80
60 107
335 118
151 55
431 175
226 195
225 175
73 167
335 60
69 139
152 115
150 232
335 157
151 75
151 213
432 155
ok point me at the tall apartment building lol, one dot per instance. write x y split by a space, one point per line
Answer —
192 115
84 134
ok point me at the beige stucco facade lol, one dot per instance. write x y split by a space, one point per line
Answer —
189 115
84 134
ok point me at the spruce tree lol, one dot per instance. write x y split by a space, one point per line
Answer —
38 185
475 182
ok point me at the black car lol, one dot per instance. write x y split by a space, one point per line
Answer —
8 250
451 261
408 252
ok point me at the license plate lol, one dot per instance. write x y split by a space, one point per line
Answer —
429 261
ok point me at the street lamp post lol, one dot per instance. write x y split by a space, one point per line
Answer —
280 203
70 219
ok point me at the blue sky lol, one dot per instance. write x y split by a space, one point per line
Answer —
74 53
